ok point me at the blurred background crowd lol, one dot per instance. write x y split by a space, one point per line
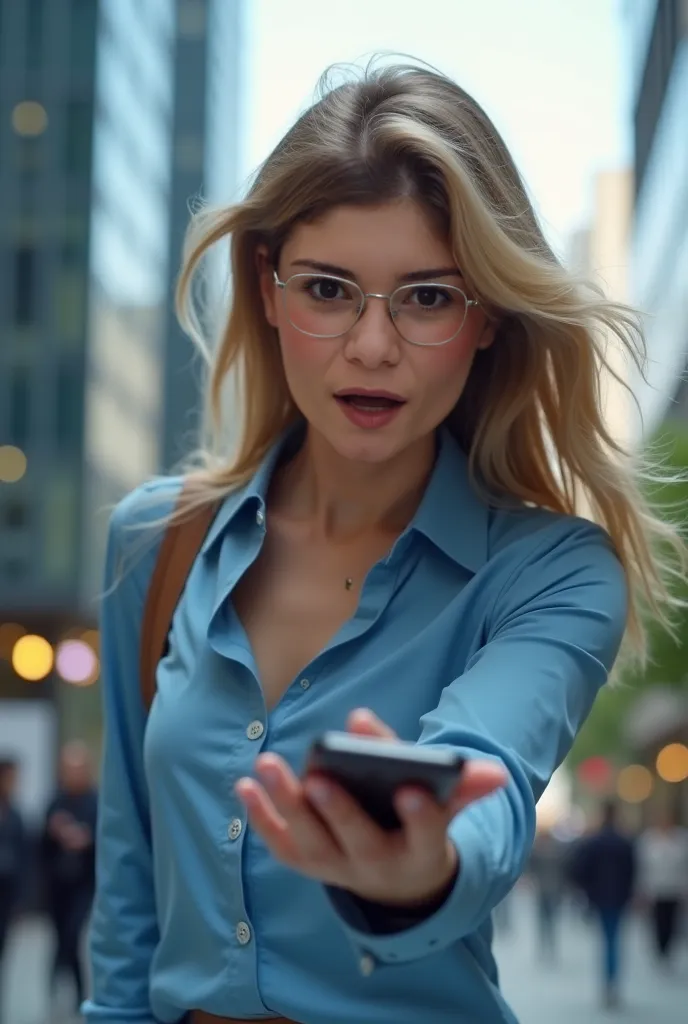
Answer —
115 116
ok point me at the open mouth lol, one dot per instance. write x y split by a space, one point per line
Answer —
369 401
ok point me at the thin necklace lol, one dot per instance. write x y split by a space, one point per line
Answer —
348 583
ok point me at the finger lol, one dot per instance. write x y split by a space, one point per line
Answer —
310 833
425 826
266 821
364 722
354 831
478 780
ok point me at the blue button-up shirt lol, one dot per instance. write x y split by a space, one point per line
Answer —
489 630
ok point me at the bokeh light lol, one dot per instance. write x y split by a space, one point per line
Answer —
596 773
672 763
92 638
10 632
12 464
29 118
32 657
76 662
634 784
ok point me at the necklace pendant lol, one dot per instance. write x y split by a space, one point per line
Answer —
348 583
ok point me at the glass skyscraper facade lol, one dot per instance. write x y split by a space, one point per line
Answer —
658 35
105 111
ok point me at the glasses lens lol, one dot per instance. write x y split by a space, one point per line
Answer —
428 314
323 306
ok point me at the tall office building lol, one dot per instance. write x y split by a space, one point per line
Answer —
600 251
658 46
106 108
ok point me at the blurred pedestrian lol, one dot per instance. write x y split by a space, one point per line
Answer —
13 851
663 880
547 874
604 868
68 861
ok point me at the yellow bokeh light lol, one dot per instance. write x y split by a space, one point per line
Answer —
10 632
32 658
672 763
12 464
29 118
634 784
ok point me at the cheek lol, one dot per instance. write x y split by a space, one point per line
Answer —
442 372
304 358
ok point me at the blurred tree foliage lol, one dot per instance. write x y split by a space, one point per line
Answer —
603 732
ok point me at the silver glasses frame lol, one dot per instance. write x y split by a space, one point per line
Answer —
282 285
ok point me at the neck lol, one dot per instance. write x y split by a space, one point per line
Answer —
343 499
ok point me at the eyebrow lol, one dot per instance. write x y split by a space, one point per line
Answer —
427 274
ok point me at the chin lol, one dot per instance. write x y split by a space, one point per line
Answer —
371 447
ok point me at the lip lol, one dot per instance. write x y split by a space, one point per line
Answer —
369 419
368 393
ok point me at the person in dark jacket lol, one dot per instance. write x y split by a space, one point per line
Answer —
68 857
604 867
13 848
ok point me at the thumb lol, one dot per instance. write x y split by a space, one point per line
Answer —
478 780
363 722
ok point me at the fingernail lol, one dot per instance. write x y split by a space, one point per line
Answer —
319 791
269 775
412 802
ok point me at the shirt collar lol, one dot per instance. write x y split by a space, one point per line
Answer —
451 514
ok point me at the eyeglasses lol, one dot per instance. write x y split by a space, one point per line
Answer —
325 306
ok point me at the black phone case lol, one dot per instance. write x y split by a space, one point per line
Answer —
373 781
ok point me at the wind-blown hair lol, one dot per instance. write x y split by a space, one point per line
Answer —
530 417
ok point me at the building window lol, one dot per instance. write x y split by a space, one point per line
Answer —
70 406
14 570
20 407
82 41
24 285
191 19
35 11
30 156
16 515
78 137
189 154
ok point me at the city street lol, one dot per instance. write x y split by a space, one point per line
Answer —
564 993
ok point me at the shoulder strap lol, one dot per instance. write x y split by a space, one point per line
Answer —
178 550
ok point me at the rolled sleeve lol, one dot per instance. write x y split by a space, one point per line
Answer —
557 626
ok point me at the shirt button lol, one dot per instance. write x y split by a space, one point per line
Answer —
255 730
304 684
366 965
260 517
234 830
243 933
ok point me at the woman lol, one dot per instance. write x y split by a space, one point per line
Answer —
396 552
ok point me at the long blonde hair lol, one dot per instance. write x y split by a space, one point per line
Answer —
530 417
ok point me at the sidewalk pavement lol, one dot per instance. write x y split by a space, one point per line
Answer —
566 989
562 991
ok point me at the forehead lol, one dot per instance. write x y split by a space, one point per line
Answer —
393 238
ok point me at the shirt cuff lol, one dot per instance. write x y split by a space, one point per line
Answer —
464 909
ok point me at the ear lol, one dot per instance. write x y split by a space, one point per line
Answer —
268 288
487 335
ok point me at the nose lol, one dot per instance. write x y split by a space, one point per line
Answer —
373 340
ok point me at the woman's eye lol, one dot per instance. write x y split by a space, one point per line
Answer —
326 289
429 298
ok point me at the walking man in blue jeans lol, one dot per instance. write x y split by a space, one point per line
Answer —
604 867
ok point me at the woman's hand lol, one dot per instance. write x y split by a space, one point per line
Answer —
316 828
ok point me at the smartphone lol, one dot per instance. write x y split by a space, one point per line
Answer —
373 770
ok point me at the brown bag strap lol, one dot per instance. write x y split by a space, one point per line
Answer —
178 550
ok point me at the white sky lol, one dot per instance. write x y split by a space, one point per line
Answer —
548 72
